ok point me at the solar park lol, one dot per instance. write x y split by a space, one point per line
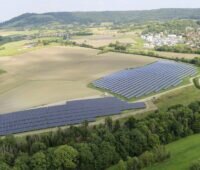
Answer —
129 83
153 78
73 112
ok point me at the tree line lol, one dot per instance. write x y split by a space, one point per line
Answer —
178 49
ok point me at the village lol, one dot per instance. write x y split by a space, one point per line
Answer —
161 39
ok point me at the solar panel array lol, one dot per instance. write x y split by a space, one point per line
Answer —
135 83
73 112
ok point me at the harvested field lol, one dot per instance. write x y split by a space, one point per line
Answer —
55 74
103 40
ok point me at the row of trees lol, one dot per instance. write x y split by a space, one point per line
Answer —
119 46
158 154
99 147
11 38
178 49
171 27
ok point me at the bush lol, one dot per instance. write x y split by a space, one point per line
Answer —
147 158
195 165
133 164
121 165
196 82
160 154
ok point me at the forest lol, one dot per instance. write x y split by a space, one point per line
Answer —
36 20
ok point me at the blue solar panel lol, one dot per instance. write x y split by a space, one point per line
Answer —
134 83
73 112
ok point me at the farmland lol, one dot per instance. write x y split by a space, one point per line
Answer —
104 39
55 74
114 90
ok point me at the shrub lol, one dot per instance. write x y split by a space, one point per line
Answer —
195 165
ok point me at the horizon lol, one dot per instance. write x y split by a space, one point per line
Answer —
14 8
40 13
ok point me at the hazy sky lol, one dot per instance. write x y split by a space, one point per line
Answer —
12 8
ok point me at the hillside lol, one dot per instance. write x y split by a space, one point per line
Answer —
32 19
183 153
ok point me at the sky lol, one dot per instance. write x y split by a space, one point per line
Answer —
12 8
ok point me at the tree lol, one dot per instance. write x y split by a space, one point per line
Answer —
21 163
194 106
147 158
4 166
37 146
107 156
86 157
195 165
121 165
160 153
133 164
138 142
117 125
131 123
196 125
85 133
122 143
65 157
38 161
109 123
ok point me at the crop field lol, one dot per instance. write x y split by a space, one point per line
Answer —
104 39
56 74
183 153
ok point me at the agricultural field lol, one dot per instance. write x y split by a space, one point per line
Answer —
177 55
56 74
183 153
103 40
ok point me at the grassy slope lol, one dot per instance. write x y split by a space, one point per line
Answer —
182 96
14 48
19 47
183 152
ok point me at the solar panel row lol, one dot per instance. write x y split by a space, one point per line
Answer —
73 112
146 80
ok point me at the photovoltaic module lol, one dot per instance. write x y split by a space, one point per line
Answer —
73 112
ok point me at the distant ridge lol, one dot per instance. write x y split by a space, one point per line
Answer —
35 20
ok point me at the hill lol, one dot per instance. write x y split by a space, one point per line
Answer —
34 20
183 153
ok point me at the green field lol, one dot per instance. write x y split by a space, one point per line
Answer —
183 96
14 48
183 153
